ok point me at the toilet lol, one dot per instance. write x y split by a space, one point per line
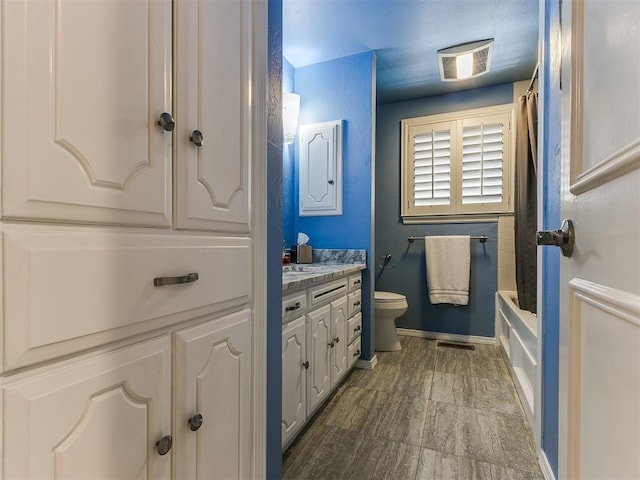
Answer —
388 307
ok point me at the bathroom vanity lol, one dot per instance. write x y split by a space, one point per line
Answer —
321 326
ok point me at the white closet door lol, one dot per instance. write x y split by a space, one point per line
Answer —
212 88
213 379
85 83
98 418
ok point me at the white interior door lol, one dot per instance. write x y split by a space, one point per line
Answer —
599 417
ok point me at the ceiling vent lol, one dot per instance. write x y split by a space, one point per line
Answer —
465 61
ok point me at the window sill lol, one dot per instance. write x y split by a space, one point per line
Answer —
445 218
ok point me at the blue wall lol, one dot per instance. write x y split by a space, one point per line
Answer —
341 89
408 276
274 242
551 220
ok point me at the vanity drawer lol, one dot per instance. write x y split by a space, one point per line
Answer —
327 291
355 281
354 352
355 303
68 290
355 326
293 306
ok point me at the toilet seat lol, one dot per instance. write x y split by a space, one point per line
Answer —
388 297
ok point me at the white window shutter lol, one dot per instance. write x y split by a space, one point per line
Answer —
432 168
482 163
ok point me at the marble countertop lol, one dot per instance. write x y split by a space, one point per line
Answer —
296 276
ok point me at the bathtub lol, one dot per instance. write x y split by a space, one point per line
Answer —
516 331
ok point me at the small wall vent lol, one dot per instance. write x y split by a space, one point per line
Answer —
464 61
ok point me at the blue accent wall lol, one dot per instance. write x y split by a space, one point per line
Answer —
551 220
274 242
408 275
342 89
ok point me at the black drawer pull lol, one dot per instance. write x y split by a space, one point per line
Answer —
357 353
293 307
357 329
163 281
356 304
306 365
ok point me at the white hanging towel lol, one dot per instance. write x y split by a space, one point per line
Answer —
448 265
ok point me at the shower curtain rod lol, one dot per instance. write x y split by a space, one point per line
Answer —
482 238
533 78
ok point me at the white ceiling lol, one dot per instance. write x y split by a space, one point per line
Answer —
405 35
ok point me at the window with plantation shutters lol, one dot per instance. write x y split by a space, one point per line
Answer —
457 165
482 157
432 168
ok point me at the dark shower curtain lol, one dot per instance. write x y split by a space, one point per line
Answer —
526 200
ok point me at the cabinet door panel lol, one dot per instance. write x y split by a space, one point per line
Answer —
320 175
213 42
294 375
85 83
213 378
340 340
97 419
319 337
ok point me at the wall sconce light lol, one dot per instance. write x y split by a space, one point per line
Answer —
290 112
465 61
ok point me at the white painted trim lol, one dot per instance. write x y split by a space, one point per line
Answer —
452 337
545 466
541 159
617 164
622 304
366 364
258 202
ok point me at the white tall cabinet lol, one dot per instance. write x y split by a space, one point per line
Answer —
132 144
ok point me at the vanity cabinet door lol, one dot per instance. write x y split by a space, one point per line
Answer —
213 379
294 378
339 340
85 84
319 355
320 169
213 45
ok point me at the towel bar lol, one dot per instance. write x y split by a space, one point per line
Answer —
482 238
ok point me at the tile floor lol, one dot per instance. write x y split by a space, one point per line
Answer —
425 412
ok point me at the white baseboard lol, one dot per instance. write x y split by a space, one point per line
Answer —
452 337
366 364
545 466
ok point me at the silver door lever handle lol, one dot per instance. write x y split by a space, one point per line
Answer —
563 237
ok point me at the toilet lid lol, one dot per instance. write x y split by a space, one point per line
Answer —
388 297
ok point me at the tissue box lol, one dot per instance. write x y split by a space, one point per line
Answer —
304 254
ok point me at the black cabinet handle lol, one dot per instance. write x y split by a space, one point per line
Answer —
164 444
195 422
357 353
292 308
166 122
163 281
306 365
357 329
